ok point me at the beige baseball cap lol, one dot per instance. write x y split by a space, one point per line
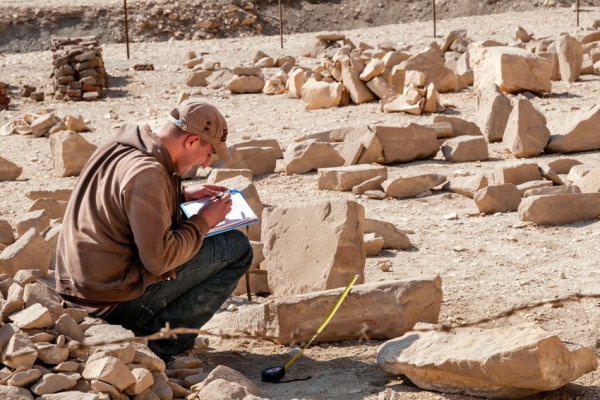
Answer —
198 117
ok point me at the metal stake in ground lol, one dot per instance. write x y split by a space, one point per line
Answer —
433 5
275 374
577 12
281 24
126 27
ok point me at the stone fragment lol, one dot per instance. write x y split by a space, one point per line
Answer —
466 185
501 363
71 395
560 209
246 84
66 325
570 57
526 134
102 333
7 237
381 87
110 370
562 165
52 354
369 184
70 153
336 248
321 94
296 79
373 244
143 355
55 194
590 183
30 251
32 317
393 237
517 173
410 186
378 310
14 301
451 37
9 171
431 64
372 69
33 219
493 110
19 351
247 71
512 69
52 383
465 148
442 129
76 124
219 79
345 178
14 393
197 77
498 198
527 186
143 380
273 86
310 155
360 145
54 209
259 160
460 127
314 47
41 125
359 92
24 378
552 190
406 143
220 174
260 143
578 132
229 375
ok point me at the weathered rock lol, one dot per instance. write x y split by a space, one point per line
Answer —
380 86
19 351
590 183
247 71
273 86
359 92
219 79
517 174
466 185
55 194
493 110
52 354
460 127
369 184
451 37
66 325
33 219
9 171
560 209
14 393
24 378
410 186
70 153
495 363
465 148
393 237
376 310
314 47
197 77
143 380
570 57
52 383
512 69
321 94
30 251
54 209
33 317
296 79
7 236
246 84
336 248
360 145
373 244
497 198
70 395
310 155
260 143
220 174
577 133
372 69
259 160
552 190
110 370
431 64
562 165
526 134
527 186
345 178
41 125
407 143
229 375
14 302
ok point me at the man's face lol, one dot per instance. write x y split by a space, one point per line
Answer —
195 154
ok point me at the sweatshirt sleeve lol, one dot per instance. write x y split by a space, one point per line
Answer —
149 199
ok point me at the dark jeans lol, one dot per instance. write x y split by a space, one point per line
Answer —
190 300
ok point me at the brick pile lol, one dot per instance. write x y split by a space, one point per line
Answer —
4 99
79 72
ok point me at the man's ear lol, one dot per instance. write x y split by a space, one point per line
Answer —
189 140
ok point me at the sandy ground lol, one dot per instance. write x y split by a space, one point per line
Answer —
502 262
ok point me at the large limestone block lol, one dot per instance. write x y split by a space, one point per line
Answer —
296 79
562 165
500 363
466 185
511 68
393 238
250 193
360 146
9 171
372 69
377 310
220 174
54 208
431 64
259 160
460 127
590 183
313 246
245 84
406 143
33 219
526 134
345 178
498 198
110 370
55 194
321 94
570 57
70 153
30 251
260 143
517 174
381 87
465 148
560 209
493 110
410 186
359 92
310 155
564 189
578 132
531 185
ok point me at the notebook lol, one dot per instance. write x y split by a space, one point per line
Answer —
240 215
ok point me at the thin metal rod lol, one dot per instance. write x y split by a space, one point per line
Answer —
126 27
434 33
577 12
281 24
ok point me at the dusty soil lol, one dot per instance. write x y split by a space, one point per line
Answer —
487 263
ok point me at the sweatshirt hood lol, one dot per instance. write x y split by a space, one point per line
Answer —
147 142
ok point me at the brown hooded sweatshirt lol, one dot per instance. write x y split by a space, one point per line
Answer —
123 229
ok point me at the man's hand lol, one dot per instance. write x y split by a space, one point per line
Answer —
216 210
201 191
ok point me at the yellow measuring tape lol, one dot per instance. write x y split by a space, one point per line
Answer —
324 324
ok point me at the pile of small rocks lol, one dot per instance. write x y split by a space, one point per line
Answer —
79 72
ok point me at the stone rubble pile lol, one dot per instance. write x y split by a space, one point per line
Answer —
79 73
